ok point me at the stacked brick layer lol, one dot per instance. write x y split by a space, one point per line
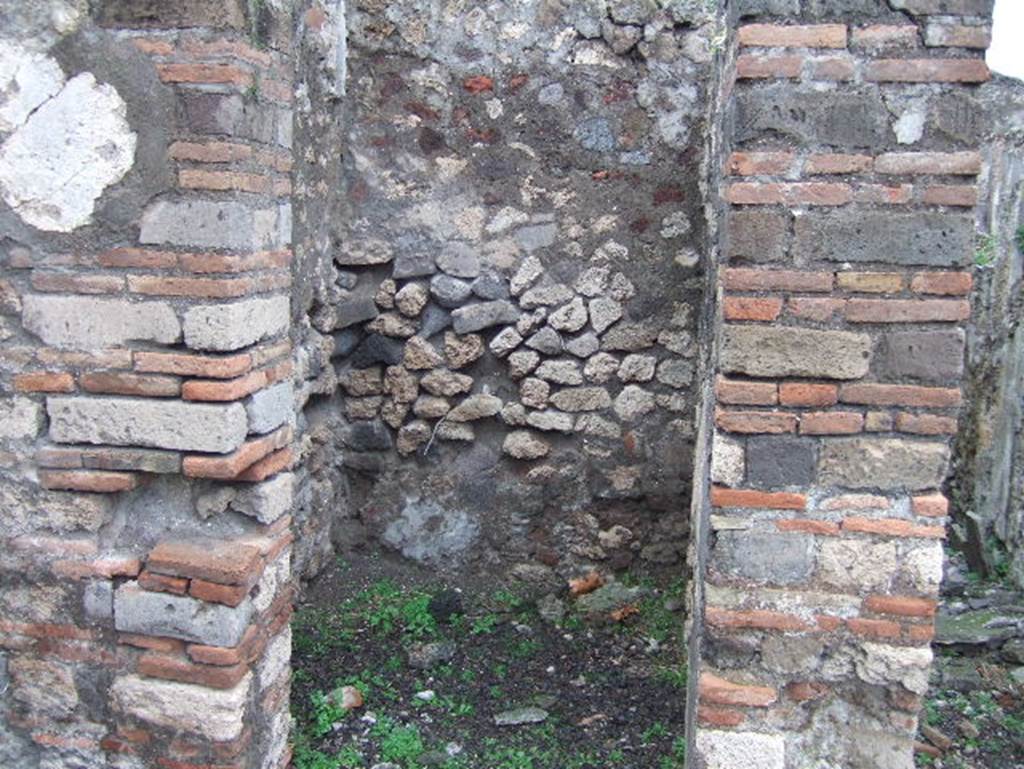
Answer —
847 242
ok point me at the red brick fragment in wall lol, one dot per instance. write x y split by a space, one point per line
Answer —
223 562
752 498
718 691
800 394
927 71
177 669
904 606
44 382
98 481
741 393
231 466
755 422
793 36
216 367
931 505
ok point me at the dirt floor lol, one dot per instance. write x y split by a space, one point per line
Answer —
973 716
395 669
480 679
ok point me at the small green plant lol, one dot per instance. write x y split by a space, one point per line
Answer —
508 758
399 744
674 675
350 758
307 758
416 617
485 624
985 250
1019 238
654 731
524 648
325 713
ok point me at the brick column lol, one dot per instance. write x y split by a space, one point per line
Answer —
847 241
165 375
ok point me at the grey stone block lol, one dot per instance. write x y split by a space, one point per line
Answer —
448 291
882 463
209 224
477 317
149 422
367 436
267 501
856 235
356 307
377 349
847 120
756 236
966 7
839 9
98 600
87 323
776 461
176 616
781 352
768 7
226 327
779 559
924 356
182 13
270 408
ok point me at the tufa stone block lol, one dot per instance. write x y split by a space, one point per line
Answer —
174 616
216 714
270 408
776 461
231 326
765 556
267 501
856 235
794 352
923 356
883 463
756 236
152 423
212 224
812 118
751 750
86 323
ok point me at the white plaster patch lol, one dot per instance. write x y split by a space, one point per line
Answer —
910 126
26 80
74 146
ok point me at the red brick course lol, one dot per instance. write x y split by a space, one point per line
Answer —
719 691
751 498
793 36
927 71
223 562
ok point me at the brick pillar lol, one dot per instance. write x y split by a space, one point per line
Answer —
163 368
847 240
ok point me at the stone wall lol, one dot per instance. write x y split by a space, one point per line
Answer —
146 369
847 242
513 274
558 268
987 486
